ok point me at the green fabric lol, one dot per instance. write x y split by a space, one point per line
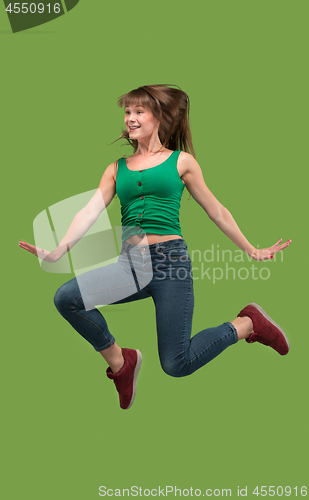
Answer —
162 189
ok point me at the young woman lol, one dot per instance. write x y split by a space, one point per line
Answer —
154 259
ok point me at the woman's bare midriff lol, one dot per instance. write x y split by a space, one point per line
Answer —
151 238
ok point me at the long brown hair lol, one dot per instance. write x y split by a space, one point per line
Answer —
171 107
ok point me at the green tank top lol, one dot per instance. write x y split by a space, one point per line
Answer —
150 198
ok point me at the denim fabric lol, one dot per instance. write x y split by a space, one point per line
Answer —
161 271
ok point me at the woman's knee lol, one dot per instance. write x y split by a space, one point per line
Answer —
60 298
172 367
65 297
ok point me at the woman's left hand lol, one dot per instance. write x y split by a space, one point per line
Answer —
268 253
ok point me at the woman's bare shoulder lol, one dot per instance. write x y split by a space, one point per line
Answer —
187 162
186 156
111 171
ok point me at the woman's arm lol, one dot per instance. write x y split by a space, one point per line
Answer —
83 220
193 178
88 215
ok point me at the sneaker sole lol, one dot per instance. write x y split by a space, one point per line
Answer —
136 372
270 320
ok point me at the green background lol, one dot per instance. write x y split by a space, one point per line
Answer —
243 419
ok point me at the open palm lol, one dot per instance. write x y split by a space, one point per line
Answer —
268 253
38 252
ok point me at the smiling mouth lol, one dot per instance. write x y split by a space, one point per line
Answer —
133 128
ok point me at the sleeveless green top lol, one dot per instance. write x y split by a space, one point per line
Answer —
150 198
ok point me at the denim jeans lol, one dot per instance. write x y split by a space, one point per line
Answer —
161 271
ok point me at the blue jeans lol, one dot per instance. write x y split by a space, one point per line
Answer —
161 271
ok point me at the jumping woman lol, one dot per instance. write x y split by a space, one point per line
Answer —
154 259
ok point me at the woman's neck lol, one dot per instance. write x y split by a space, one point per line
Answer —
149 147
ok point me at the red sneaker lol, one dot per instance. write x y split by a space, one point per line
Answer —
126 379
266 331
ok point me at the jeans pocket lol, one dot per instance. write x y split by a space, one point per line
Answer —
174 266
175 254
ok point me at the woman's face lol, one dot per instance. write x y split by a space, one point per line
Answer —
140 122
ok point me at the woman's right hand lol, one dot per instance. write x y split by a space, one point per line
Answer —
38 252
